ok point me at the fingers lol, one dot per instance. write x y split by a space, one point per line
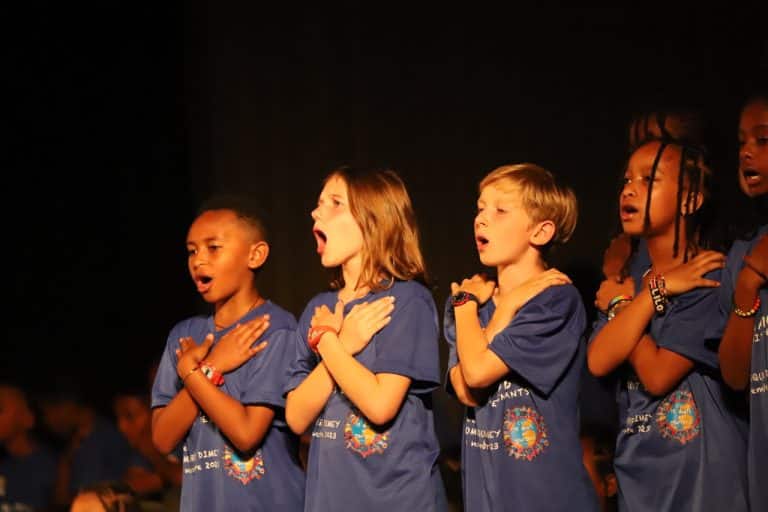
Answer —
707 283
555 276
258 348
454 288
254 330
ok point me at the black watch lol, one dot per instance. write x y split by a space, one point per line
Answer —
462 298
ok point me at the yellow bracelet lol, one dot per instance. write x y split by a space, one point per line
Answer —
190 372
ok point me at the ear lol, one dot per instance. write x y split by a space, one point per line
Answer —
542 233
692 206
610 487
258 254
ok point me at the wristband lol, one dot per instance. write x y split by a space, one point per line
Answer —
316 333
211 373
614 304
463 297
658 291
190 372
750 312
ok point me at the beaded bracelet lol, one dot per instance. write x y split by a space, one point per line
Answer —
750 312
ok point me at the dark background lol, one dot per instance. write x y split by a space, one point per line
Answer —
124 117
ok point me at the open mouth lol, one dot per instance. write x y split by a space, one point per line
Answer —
628 211
481 241
751 175
321 239
203 283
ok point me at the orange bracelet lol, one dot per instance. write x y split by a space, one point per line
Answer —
316 333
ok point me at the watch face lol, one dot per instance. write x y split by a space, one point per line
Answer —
460 298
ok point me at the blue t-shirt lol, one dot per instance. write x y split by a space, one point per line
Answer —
684 450
27 481
354 465
521 448
758 381
103 455
216 475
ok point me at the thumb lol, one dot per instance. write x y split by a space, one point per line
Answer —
339 309
454 288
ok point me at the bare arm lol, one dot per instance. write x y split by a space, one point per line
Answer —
377 395
305 403
480 366
171 423
464 393
244 425
735 352
659 370
618 338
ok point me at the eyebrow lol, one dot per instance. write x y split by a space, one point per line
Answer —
205 241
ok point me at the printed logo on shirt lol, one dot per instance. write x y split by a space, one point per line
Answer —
678 417
361 438
759 381
761 329
525 434
243 470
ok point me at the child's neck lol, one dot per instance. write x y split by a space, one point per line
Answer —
233 309
350 271
512 275
660 252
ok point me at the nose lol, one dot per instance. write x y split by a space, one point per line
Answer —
315 214
196 259
480 220
629 188
745 152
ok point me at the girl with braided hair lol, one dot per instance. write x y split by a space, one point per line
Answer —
678 433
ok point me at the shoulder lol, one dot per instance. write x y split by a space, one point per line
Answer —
189 325
562 298
409 291
279 318
327 298
702 293
741 248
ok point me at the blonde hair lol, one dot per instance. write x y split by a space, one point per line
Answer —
382 208
542 197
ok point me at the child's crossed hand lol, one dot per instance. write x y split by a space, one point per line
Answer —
363 321
237 346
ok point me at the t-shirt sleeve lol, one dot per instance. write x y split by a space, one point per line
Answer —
167 383
303 360
541 340
408 345
688 328
268 375
600 320
449 333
